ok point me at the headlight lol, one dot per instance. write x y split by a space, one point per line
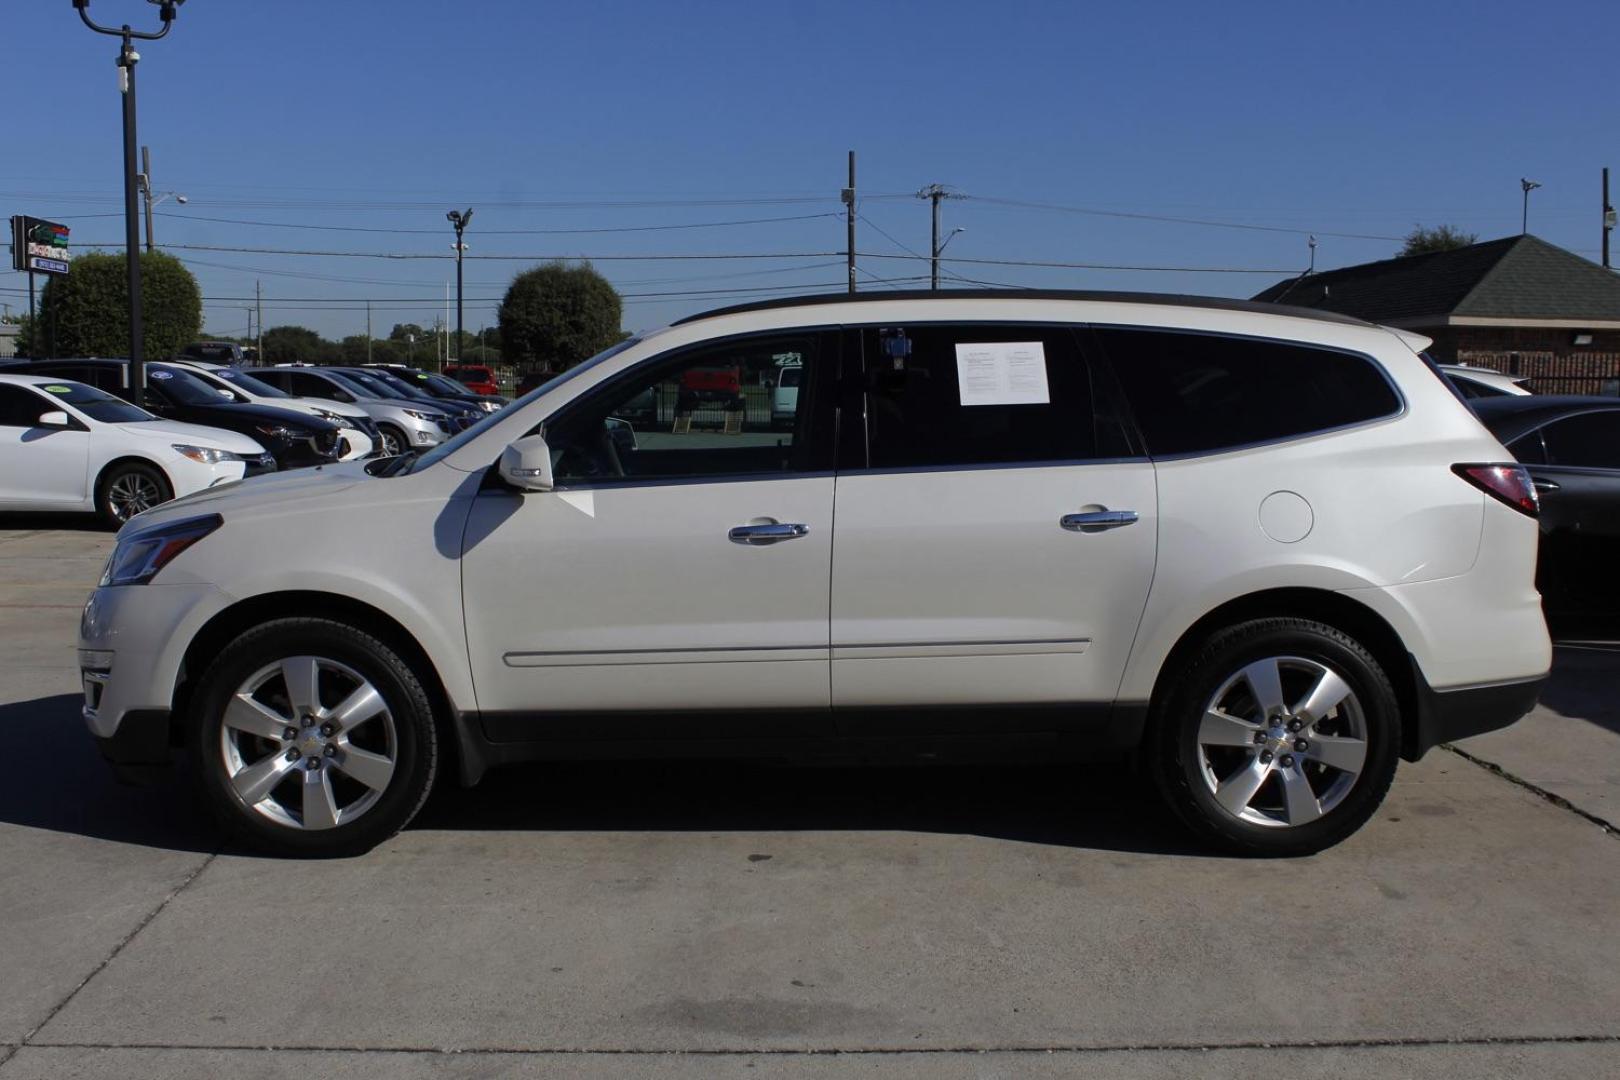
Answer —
336 418
427 416
490 406
140 555
207 455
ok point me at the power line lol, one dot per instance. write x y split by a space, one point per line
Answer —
491 232
1094 212
568 256
1095 266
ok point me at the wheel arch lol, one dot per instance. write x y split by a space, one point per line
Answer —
1336 610
127 459
226 625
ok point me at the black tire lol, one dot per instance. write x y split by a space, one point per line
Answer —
388 432
120 481
1174 754
414 740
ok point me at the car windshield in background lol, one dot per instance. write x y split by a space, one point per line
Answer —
442 385
96 404
256 387
400 387
186 388
372 387
355 386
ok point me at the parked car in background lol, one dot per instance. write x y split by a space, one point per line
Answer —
386 382
1571 445
65 446
785 396
174 392
357 431
1266 550
442 387
1477 382
226 353
402 426
479 378
717 385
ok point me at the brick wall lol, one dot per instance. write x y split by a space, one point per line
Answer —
1548 358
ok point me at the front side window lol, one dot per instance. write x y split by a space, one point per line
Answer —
706 412
1199 393
977 394
1591 440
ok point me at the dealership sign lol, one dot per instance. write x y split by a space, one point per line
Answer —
39 247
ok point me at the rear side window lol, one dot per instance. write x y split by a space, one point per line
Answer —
1591 440
1197 393
20 408
977 394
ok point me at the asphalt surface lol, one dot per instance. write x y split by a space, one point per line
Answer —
701 920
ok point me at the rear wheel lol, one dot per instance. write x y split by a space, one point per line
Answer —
128 488
1282 739
313 738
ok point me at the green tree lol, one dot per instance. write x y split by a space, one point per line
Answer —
406 331
296 345
1421 241
86 311
556 315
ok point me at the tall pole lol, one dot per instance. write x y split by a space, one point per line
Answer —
258 302
933 246
368 331
849 218
127 59
1524 221
146 190
1608 217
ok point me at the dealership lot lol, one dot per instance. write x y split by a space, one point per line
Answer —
704 920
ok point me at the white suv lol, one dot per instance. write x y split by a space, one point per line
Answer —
1269 550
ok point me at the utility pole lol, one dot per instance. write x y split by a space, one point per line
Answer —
258 302
146 190
1608 217
1528 186
459 220
368 331
848 197
934 193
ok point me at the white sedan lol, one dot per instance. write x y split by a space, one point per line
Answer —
67 446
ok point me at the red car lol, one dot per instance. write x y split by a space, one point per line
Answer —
711 385
477 378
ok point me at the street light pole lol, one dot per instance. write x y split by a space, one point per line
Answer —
1528 186
127 59
458 219
145 181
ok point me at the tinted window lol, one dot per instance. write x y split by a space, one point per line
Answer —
1196 393
1528 449
96 404
701 413
20 408
182 386
1591 440
255 386
964 394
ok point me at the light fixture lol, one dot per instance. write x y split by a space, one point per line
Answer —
1582 338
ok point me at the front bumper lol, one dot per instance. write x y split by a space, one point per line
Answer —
132 640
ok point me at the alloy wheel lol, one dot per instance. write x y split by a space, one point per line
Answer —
131 493
1282 742
299 761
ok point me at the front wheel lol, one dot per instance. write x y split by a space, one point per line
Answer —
1281 739
128 488
394 442
313 738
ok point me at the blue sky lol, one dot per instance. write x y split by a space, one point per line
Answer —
1339 118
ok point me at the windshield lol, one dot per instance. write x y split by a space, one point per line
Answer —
355 386
456 442
373 386
256 387
186 387
96 404
399 386
440 385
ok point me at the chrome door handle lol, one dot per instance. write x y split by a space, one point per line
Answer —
771 533
1097 520
1546 485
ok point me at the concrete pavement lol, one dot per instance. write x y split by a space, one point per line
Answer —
722 920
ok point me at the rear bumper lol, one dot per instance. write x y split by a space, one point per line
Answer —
1458 712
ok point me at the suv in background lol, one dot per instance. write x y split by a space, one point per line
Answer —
479 378
1265 550
225 353
402 426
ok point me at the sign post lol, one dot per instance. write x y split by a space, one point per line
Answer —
38 247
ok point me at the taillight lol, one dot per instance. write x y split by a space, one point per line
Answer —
1507 483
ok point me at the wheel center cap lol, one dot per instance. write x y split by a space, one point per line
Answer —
311 743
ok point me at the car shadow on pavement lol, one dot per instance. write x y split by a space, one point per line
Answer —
1586 684
76 522
65 787
1106 807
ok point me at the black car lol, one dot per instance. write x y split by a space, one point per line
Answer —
440 386
1571 445
173 392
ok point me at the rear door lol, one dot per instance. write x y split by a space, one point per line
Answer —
996 544
1576 465
40 467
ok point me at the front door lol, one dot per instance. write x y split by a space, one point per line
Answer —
40 467
679 571
997 546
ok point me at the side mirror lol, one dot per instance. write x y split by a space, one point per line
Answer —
526 464
54 418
